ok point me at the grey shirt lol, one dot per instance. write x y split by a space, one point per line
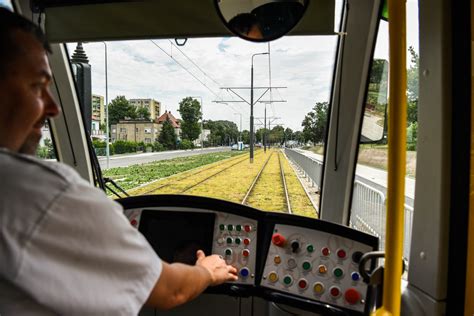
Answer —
65 248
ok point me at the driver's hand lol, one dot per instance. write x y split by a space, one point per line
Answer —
220 272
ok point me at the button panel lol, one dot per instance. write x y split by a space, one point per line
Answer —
316 265
235 239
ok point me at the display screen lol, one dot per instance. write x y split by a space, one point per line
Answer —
176 236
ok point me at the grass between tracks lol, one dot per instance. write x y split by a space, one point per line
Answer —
136 175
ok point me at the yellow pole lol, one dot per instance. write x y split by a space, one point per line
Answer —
396 159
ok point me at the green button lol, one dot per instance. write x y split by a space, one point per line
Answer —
287 280
221 226
237 241
228 252
310 248
338 272
229 240
238 228
306 265
230 227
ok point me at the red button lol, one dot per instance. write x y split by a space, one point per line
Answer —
352 296
325 251
245 252
278 240
134 222
248 228
335 292
246 241
302 284
341 253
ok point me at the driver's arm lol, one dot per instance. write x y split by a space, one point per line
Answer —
180 283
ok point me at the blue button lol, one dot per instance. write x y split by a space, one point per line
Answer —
244 272
355 276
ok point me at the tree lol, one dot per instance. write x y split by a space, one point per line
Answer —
299 137
413 87
143 113
222 132
190 110
120 109
288 133
167 135
314 123
276 135
246 136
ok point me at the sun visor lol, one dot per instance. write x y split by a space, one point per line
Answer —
124 20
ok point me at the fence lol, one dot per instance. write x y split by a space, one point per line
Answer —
368 212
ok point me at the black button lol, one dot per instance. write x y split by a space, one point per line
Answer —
356 256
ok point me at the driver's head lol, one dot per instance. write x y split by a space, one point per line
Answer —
25 77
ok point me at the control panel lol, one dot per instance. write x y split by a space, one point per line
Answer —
316 265
235 239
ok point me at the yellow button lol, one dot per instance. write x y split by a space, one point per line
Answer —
277 259
318 288
322 269
273 277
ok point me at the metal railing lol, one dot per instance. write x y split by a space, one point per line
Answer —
368 212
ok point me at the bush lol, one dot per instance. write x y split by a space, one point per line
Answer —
158 146
122 147
186 144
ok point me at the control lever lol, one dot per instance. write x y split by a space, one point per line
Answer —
375 278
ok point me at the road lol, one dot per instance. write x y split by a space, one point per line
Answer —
377 178
133 159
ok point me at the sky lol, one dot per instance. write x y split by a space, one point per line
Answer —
304 65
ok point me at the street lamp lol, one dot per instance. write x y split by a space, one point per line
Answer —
202 122
240 132
251 107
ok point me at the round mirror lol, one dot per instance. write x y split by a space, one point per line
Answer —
261 20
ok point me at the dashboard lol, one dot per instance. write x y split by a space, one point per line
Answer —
298 261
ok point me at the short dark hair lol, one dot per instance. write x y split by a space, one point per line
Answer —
242 23
9 48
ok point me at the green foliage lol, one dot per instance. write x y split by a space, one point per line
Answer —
222 132
288 133
143 113
120 109
276 135
299 137
314 123
190 110
133 176
168 136
246 136
413 75
122 147
412 136
186 144
46 151
158 147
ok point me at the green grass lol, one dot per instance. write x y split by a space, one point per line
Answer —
136 175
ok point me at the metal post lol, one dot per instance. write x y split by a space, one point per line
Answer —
251 107
265 130
107 147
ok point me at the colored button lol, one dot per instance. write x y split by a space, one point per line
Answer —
325 251
230 227
229 240
322 269
287 280
246 241
277 259
355 276
302 284
278 240
248 228
221 226
295 245
273 277
356 256
338 272
341 253
335 291
245 252
228 252
238 228
220 241
238 241
318 288
291 263
352 296
306 265
134 222
310 248
244 272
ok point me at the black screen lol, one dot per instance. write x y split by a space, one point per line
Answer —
176 236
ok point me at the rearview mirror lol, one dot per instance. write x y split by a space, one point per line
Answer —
261 20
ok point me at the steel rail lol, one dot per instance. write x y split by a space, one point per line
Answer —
285 188
249 191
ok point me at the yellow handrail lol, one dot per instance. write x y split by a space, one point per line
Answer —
396 159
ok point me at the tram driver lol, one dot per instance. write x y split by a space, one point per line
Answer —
65 247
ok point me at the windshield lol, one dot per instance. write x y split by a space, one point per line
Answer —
179 117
